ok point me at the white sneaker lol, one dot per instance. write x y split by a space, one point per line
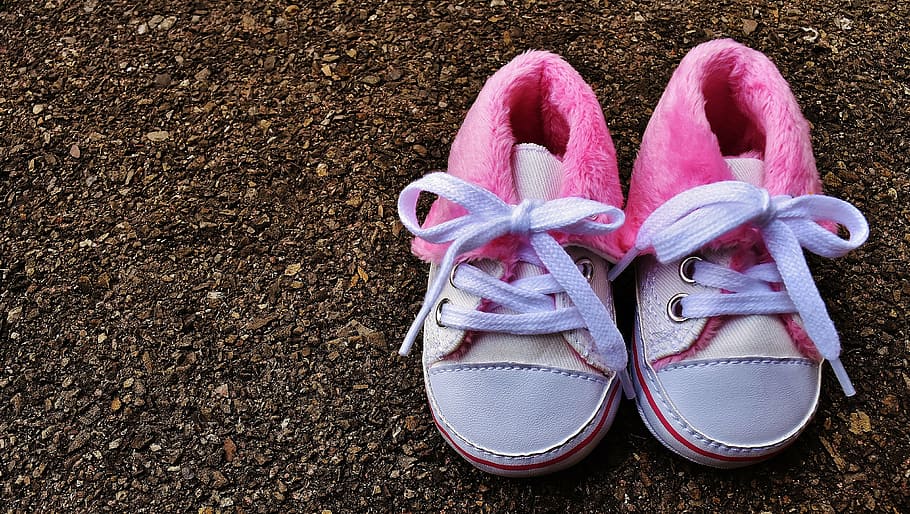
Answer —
522 359
731 330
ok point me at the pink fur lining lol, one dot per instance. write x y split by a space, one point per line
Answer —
723 100
800 337
536 98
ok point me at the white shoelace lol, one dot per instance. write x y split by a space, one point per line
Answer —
695 217
489 217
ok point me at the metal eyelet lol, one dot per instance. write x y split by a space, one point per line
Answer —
674 308
687 268
452 275
439 311
586 267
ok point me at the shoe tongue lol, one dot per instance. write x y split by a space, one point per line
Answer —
748 169
747 336
536 172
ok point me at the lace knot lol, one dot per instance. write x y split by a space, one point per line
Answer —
786 225
767 208
488 217
520 220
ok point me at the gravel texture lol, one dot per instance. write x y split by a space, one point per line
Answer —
204 281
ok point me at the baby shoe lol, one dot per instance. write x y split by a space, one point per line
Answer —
731 330
521 355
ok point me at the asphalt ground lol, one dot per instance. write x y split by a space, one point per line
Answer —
204 282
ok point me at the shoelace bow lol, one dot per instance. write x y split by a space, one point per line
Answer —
489 217
695 217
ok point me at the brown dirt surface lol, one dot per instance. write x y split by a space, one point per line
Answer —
204 282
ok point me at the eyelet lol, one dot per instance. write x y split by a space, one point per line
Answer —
674 308
586 267
687 268
439 311
452 275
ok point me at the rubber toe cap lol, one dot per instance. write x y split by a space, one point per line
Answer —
515 410
744 402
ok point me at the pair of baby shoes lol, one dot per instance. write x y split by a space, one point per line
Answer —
522 358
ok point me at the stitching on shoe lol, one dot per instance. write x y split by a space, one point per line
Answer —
670 411
519 368
725 362
536 149
655 311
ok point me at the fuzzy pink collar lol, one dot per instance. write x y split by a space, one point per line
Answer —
724 100
536 98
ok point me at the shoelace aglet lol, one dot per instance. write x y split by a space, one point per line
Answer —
842 377
409 339
627 388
